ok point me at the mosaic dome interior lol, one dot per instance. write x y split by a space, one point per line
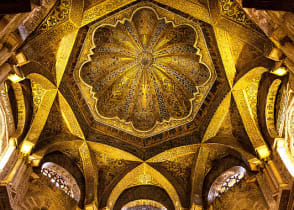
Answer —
146 104
145 70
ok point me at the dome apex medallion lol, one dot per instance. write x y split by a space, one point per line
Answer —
145 59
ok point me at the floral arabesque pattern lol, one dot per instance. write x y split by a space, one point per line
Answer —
144 70
57 15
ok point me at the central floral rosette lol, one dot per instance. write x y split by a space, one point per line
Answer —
144 70
145 59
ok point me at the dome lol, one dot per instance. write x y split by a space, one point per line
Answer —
145 70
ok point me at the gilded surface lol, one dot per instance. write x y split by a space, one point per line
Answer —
144 71
142 175
105 7
110 169
247 116
4 135
44 195
139 123
4 100
145 74
21 111
218 119
54 124
90 173
233 11
143 77
198 172
63 54
251 93
289 119
69 117
59 13
245 102
41 116
193 8
281 112
38 92
144 203
226 54
77 92
243 53
270 108
180 169
89 3
43 109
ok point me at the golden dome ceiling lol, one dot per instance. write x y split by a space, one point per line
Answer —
144 74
